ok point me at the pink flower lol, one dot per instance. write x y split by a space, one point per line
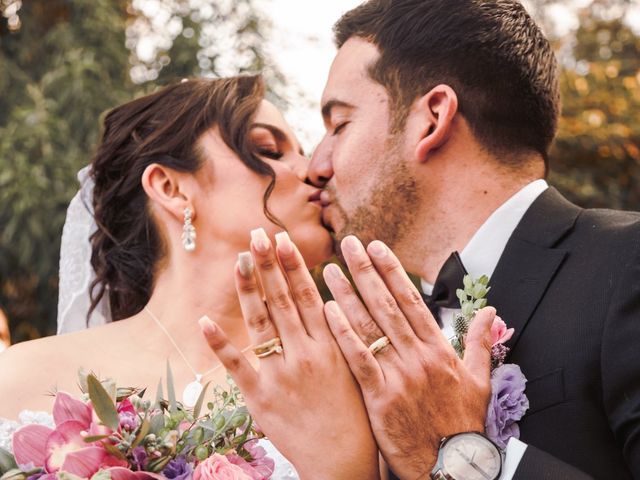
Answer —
63 448
218 467
260 468
499 331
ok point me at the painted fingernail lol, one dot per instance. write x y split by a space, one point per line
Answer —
245 264
283 243
207 325
377 249
352 244
260 240
332 271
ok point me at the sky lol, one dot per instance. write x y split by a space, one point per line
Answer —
302 47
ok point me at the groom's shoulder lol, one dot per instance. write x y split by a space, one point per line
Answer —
611 223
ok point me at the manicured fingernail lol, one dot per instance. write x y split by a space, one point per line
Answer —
245 264
283 243
260 240
332 271
332 309
377 249
352 244
207 325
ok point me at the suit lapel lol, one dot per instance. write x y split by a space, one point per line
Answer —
530 260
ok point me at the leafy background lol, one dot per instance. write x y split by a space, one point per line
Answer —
64 62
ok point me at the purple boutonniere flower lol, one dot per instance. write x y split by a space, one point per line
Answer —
507 405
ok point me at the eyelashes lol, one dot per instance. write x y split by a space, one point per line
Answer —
272 154
339 128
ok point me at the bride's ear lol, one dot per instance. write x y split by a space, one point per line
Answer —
436 109
168 189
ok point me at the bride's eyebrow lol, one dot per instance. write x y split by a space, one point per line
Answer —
278 134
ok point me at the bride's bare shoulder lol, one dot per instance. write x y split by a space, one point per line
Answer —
30 370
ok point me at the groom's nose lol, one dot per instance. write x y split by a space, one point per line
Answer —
320 168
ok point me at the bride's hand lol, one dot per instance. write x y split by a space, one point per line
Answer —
305 398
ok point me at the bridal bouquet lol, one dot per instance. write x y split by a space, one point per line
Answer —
114 434
508 402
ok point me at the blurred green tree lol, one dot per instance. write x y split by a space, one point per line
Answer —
595 160
62 64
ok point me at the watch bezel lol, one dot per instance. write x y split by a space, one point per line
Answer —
439 471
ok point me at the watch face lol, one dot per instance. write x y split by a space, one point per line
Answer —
470 456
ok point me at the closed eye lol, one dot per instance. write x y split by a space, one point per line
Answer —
339 128
272 154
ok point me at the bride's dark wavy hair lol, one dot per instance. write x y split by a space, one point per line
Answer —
163 128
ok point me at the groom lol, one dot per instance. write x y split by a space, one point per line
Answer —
439 118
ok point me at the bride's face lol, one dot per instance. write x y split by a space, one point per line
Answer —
230 203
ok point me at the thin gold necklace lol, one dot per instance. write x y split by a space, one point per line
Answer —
192 391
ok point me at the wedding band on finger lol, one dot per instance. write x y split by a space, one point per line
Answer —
379 344
268 348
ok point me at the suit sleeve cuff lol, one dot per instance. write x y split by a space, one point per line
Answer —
512 456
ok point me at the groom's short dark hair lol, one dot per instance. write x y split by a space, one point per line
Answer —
490 52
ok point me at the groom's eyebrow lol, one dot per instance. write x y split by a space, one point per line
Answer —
330 105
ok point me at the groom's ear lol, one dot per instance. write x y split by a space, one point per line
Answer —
436 111
167 188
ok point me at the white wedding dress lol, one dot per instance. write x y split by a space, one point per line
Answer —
284 470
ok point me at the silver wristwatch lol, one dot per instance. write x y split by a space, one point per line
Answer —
468 456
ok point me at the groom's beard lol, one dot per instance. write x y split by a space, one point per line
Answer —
388 213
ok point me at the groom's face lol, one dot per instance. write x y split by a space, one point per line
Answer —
369 187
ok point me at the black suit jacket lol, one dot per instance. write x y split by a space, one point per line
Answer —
568 281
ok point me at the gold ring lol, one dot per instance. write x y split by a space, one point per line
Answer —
268 348
379 344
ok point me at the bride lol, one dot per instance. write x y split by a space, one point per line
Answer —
182 176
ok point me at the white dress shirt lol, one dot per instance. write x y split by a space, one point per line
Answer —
480 257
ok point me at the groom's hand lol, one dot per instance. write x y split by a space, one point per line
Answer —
416 389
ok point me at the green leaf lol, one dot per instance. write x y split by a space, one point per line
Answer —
483 280
7 461
14 474
113 450
95 438
159 394
480 303
171 392
102 403
479 291
198 405
142 432
468 282
467 309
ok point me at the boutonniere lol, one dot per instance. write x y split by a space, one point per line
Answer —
508 402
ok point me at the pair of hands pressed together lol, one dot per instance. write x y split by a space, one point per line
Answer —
327 402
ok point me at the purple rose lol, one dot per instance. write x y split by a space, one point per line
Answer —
178 469
507 405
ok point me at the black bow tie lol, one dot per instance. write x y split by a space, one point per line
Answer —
450 278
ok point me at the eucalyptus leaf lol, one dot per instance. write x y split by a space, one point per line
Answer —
142 432
113 450
7 462
95 438
14 474
159 394
171 392
198 405
102 403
